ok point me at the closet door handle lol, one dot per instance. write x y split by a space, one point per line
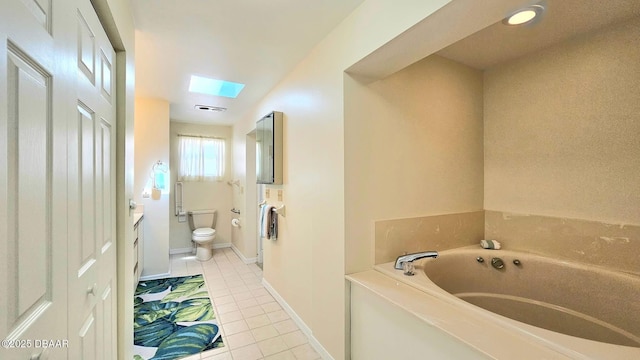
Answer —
92 290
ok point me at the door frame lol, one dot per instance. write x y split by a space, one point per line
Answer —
120 38
252 198
115 18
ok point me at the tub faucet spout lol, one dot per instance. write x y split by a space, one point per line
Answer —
413 257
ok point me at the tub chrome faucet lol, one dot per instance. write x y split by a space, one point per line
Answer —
413 257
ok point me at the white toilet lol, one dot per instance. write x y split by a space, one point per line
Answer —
202 235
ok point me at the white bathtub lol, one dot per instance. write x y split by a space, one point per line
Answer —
570 298
545 283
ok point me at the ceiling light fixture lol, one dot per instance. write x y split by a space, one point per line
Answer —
215 87
524 16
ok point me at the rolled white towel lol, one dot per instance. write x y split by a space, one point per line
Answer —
490 244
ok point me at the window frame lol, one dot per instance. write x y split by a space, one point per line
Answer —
202 151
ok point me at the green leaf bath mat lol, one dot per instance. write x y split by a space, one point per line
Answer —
174 318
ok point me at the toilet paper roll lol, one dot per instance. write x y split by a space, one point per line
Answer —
235 222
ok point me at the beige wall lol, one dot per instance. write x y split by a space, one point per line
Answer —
334 192
561 130
300 264
560 136
416 148
200 195
438 232
613 246
305 265
152 144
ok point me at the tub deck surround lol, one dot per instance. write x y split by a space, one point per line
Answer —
614 246
471 329
437 232
493 335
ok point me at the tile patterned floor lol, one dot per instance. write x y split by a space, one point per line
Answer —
254 325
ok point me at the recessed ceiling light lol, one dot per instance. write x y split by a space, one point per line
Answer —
210 108
215 87
524 16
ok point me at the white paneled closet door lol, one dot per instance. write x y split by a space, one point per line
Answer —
91 149
57 182
35 83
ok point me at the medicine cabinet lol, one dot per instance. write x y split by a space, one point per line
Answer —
269 149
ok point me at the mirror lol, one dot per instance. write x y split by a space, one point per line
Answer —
269 149
158 180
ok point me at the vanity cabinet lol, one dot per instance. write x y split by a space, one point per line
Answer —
269 149
138 248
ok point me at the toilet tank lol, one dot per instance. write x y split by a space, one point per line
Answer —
202 218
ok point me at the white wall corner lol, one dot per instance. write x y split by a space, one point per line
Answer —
242 257
301 324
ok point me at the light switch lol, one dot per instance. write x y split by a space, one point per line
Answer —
279 195
267 193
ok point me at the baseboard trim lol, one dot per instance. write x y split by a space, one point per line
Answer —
155 276
242 257
221 245
301 324
180 251
190 249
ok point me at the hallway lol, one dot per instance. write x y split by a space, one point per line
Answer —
254 325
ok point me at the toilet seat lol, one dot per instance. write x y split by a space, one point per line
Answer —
203 235
204 232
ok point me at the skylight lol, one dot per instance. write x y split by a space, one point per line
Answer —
215 87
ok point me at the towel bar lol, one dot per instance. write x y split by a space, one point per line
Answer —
280 210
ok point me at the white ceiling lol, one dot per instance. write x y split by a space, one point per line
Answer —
255 42
561 20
